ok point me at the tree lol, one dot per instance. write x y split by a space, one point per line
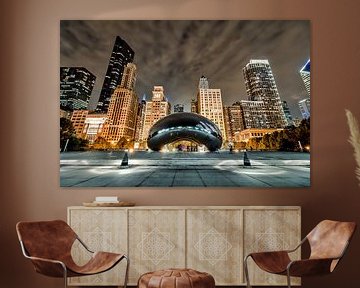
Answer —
284 140
122 143
66 130
101 143
67 135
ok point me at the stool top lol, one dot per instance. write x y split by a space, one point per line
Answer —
176 278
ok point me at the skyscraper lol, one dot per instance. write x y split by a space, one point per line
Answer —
78 118
254 113
234 121
194 106
122 112
305 75
209 104
76 85
287 113
121 55
155 109
304 106
261 87
140 121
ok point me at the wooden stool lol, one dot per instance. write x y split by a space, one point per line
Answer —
176 278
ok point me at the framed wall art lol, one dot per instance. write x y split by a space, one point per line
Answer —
189 103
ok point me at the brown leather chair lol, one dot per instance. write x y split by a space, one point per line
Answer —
48 245
328 242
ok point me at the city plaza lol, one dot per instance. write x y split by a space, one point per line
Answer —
191 169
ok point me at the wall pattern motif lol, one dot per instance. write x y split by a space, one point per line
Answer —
156 246
213 246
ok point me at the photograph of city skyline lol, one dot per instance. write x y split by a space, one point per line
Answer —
191 103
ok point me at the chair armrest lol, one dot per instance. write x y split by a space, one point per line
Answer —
84 245
309 267
49 267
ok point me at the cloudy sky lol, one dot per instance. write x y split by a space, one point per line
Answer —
175 54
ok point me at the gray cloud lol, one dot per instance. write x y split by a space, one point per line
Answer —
176 53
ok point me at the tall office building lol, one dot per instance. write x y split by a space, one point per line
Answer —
304 106
234 121
287 113
76 85
121 55
305 75
178 108
78 118
209 104
155 109
254 113
140 121
122 112
261 87
194 106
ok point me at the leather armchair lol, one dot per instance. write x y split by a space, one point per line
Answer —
48 245
328 242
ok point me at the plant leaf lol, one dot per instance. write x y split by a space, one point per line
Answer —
354 139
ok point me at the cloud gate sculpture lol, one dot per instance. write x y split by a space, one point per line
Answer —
184 126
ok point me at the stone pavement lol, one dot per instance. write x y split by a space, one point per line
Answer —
184 169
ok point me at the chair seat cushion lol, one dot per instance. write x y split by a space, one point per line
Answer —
272 262
99 262
176 278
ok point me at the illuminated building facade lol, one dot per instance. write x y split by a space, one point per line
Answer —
194 106
247 134
234 121
121 55
155 109
304 106
76 85
140 121
93 126
122 112
305 75
261 87
254 113
288 116
209 104
78 118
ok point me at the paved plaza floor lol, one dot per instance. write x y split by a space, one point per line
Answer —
184 169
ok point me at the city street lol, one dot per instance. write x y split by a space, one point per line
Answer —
184 169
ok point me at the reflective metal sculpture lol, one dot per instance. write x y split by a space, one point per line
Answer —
184 126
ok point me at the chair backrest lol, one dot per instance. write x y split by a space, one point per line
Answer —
329 239
46 239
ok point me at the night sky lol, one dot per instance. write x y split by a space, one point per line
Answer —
175 54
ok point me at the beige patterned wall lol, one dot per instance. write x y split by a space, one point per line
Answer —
208 239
